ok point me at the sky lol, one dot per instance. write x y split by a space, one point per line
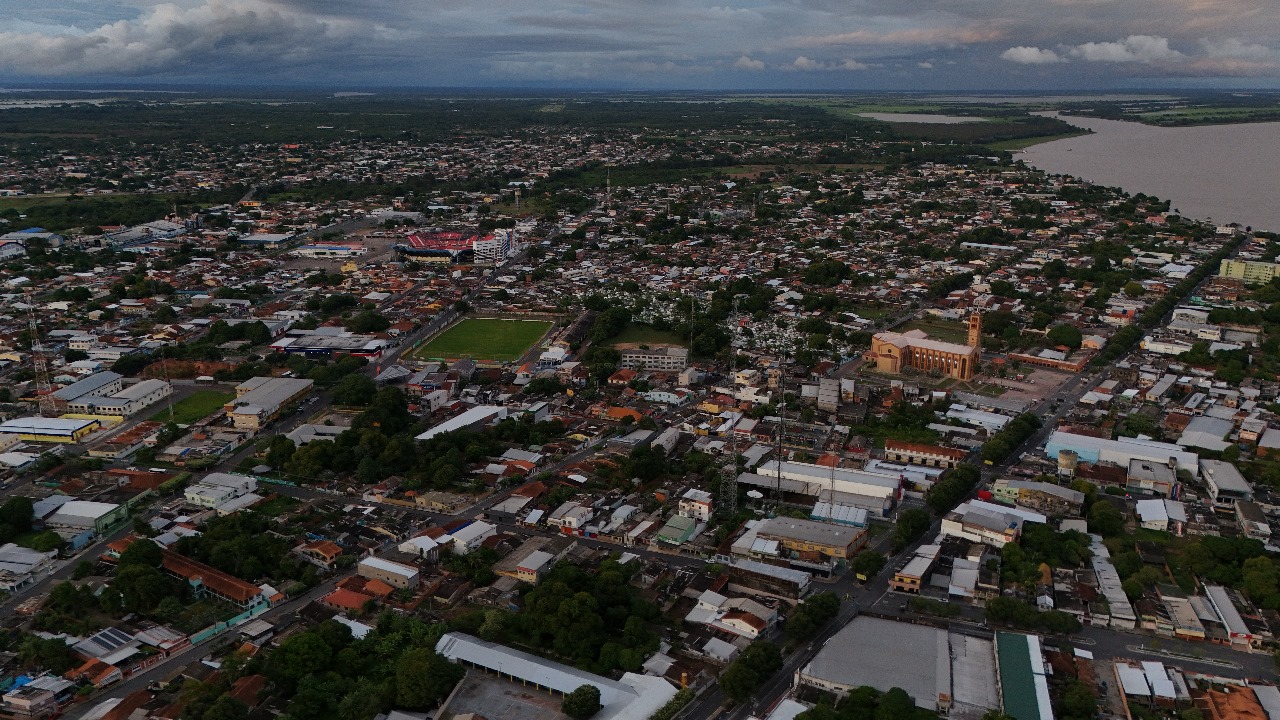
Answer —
647 44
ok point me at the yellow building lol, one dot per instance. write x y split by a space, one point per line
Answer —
54 430
892 352
1251 272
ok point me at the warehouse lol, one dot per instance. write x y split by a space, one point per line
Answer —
260 400
218 491
1121 450
54 430
473 418
807 538
326 346
391 573
634 697
83 514
103 383
122 403
1225 483
950 673
20 567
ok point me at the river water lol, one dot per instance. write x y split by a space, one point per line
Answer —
1221 173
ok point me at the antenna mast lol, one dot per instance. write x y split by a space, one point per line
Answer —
44 389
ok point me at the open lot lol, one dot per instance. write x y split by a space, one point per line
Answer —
1037 384
498 699
196 406
945 330
636 334
484 339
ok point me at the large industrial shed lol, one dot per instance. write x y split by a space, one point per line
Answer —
634 697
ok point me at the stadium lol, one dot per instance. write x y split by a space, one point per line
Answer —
456 247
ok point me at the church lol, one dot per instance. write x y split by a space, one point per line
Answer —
892 352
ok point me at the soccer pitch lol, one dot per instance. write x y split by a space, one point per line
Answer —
491 339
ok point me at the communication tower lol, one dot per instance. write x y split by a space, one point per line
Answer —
44 389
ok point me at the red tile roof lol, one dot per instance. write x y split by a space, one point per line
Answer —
346 599
219 582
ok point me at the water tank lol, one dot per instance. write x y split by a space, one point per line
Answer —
1067 462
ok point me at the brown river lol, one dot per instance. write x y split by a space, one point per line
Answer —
1221 173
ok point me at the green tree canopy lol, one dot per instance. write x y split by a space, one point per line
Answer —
582 703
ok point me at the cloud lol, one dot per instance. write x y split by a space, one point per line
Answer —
942 36
1236 48
1027 55
169 37
1135 48
805 64
930 44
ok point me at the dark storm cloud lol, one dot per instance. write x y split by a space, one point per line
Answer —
673 43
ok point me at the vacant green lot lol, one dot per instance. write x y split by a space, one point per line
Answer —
484 339
638 334
196 406
944 330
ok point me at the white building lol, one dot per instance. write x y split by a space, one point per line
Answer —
570 516
216 490
125 402
633 697
469 537
696 504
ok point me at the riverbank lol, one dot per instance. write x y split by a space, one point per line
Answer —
1217 173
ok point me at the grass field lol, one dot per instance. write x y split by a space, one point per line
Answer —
944 330
875 312
645 335
197 406
277 505
484 339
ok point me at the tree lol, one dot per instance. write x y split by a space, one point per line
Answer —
368 322
582 703
424 678
141 552
15 517
1133 289
894 705
755 665
300 656
141 587
226 708
52 654
810 615
912 523
1078 701
279 451
868 563
356 389
1105 519
1068 335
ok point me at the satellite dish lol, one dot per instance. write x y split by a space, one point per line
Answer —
755 494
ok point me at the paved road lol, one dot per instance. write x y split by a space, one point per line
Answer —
141 679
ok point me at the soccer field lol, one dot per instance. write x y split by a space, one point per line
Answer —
484 339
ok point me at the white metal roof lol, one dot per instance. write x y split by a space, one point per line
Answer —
1133 680
635 697
388 566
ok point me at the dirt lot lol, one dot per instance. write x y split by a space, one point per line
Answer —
498 699
1037 384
